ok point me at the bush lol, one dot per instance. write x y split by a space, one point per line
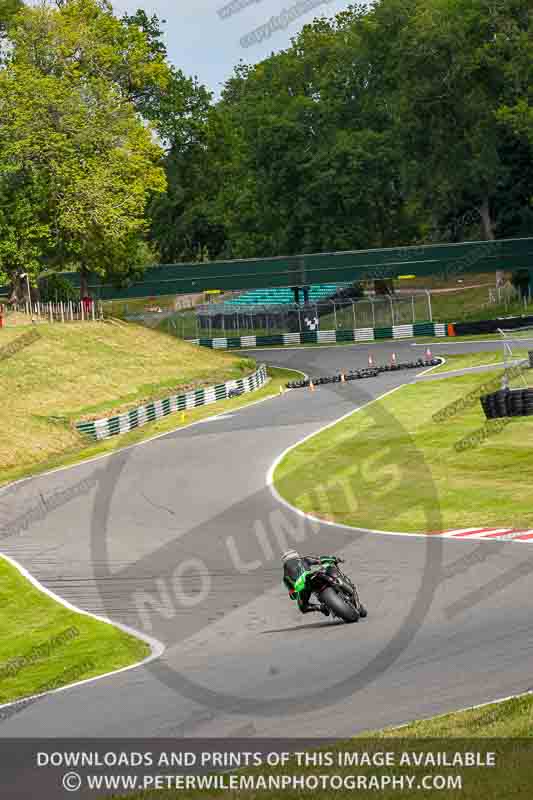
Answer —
56 289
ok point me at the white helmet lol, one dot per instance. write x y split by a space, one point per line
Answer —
288 555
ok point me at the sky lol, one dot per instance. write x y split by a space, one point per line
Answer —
200 42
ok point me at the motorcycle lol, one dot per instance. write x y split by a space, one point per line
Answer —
334 590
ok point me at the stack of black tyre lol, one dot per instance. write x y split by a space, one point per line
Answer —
508 403
367 372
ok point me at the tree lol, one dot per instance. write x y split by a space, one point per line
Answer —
317 154
24 229
77 164
176 105
451 60
53 289
8 9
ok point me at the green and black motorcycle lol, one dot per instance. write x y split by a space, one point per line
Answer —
334 590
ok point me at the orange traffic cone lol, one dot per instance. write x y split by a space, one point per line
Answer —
370 361
312 386
343 379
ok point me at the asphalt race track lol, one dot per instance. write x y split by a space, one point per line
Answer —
187 519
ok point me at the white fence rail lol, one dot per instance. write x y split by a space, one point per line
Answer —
70 311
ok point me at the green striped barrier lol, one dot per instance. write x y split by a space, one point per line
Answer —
326 337
129 420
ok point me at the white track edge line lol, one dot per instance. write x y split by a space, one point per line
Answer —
466 370
453 340
281 500
429 369
311 346
460 710
157 647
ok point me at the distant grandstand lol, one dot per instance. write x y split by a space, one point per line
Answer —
285 296
275 309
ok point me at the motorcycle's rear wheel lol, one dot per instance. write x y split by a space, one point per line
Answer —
338 605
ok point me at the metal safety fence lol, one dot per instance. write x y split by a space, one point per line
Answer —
213 320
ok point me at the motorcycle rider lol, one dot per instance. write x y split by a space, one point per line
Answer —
293 566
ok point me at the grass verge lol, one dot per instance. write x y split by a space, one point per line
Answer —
388 462
83 449
52 375
491 731
508 719
468 360
44 646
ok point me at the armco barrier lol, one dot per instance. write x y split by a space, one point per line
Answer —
326 337
122 423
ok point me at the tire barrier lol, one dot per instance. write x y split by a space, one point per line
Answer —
491 325
361 374
508 403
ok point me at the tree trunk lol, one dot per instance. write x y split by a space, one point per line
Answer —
488 232
84 285
19 290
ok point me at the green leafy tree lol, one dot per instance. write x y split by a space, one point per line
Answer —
452 79
317 163
8 9
73 151
53 288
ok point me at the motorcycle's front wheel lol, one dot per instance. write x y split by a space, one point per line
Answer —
338 605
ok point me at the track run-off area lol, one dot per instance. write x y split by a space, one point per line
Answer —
179 538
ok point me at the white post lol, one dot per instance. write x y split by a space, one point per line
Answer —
430 309
413 308
81 309
71 310
391 311
50 312
334 314
62 312
92 309
353 311
29 291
